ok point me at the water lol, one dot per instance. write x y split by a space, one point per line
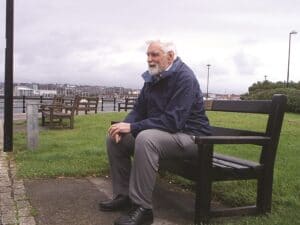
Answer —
18 106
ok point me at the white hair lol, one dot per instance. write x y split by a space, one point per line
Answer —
166 46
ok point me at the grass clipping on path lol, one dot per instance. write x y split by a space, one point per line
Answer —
66 152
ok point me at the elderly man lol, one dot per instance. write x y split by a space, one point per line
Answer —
168 113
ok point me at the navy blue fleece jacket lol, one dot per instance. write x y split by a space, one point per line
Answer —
171 102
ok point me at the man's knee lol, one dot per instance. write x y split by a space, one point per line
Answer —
146 150
148 141
146 137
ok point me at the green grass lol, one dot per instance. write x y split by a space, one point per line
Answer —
66 152
81 152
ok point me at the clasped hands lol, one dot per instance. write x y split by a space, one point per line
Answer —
116 130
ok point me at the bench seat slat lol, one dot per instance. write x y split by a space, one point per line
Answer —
222 170
236 160
220 162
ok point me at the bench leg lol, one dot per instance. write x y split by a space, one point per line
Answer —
204 184
72 122
43 119
264 193
51 124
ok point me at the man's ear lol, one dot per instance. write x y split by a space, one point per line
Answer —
171 55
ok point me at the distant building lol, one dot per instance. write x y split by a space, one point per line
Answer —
23 91
45 93
226 96
235 97
35 86
134 93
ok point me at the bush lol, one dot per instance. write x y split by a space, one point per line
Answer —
292 94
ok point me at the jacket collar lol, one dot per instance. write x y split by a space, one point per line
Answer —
154 79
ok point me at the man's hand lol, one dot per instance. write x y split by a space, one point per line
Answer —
117 129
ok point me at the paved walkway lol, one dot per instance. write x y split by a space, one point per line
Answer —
14 205
74 201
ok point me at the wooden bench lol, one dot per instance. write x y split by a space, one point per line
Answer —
55 114
87 104
127 104
208 167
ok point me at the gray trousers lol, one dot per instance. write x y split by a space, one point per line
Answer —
136 176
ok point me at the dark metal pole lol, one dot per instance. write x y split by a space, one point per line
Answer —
288 69
126 103
289 55
114 104
208 65
24 103
8 99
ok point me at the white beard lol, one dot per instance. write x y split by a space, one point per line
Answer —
154 70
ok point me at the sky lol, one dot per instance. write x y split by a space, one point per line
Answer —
94 42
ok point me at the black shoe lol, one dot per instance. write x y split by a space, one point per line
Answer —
136 216
119 203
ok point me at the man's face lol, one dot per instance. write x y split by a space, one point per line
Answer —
158 61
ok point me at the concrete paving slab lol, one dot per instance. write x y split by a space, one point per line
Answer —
75 201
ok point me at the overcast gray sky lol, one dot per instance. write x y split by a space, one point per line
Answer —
103 42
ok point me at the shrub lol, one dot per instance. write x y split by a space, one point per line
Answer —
292 94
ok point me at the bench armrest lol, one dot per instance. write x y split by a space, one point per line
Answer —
45 105
258 140
50 105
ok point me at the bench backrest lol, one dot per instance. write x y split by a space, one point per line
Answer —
274 108
57 100
73 104
87 101
92 101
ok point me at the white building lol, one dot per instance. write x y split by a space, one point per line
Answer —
23 91
26 91
45 93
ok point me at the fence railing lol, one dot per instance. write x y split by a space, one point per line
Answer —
105 104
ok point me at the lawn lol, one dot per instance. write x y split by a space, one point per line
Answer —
81 152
